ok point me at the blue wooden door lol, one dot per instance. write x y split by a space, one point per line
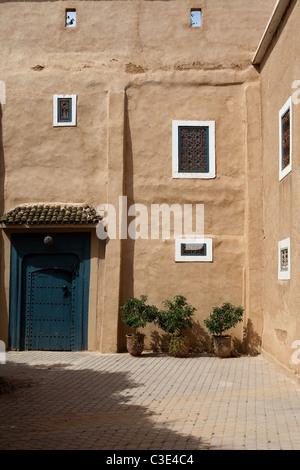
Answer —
49 314
49 292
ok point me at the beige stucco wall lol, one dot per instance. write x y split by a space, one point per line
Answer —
135 66
279 69
113 33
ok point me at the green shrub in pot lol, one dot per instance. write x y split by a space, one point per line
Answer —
135 313
175 319
220 320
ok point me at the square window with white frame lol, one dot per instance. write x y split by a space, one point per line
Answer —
193 149
193 250
284 259
285 139
64 110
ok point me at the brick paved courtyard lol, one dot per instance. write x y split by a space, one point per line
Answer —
86 400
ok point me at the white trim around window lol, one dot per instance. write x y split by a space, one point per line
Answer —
72 120
284 259
176 173
288 168
194 250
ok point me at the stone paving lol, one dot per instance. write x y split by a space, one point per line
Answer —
87 400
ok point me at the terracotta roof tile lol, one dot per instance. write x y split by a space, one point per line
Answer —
51 214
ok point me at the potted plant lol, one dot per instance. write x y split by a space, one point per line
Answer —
220 320
175 319
136 314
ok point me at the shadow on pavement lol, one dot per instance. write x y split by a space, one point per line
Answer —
53 407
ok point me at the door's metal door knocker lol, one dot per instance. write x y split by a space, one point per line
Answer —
67 293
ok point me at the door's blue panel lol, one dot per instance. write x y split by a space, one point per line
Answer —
49 302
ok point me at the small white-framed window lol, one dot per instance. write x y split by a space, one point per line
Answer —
193 250
285 139
193 149
64 110
284 259
196 18
70 18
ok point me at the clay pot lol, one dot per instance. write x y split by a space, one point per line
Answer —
135 344
222 346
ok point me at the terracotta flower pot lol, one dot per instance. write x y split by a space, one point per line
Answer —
222 346
135 344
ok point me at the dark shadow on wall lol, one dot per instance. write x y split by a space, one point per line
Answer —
127 255
159 341
53 407
251 340
200 340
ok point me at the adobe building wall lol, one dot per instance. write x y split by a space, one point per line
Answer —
279 71
135 66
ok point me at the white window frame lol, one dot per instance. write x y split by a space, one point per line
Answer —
288 168
56 123
196 10
286 274
70 10
208 258
212 153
